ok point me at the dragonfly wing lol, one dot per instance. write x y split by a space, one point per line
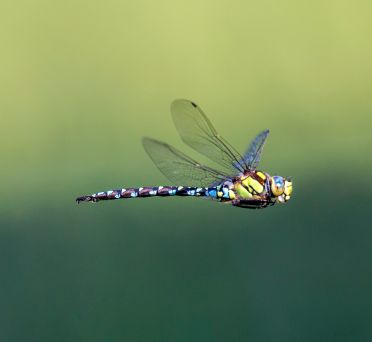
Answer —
180 168
253 154
198 132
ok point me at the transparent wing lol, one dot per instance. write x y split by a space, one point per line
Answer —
253 154
178 167
198 132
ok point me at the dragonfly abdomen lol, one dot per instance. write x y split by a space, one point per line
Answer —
162 191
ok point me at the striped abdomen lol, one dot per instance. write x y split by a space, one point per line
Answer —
218 192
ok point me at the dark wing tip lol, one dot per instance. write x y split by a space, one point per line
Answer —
147 141
263 134
178 102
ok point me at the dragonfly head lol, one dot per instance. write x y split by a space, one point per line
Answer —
281 188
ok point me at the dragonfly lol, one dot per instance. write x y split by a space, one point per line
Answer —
236 181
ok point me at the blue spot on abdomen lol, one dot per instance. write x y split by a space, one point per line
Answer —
212 193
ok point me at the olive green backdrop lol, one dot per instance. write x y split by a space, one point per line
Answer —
82 81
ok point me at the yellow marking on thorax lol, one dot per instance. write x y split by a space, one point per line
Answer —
242 191
261 175
253 185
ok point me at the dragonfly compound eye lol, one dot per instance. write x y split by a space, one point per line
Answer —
277 185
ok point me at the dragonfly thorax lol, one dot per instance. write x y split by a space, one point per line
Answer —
251 184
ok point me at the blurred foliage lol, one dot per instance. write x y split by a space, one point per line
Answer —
81 82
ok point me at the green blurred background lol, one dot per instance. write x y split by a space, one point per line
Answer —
82 81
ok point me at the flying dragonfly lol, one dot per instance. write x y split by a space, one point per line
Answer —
237 181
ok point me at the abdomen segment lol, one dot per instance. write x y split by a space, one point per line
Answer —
213 192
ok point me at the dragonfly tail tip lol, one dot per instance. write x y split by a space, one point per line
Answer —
84 199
